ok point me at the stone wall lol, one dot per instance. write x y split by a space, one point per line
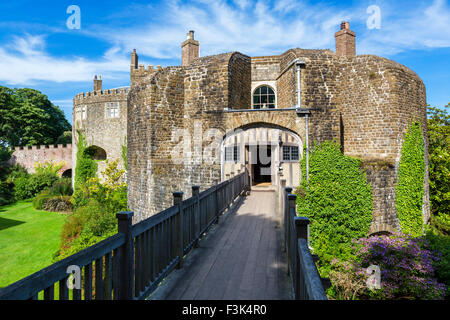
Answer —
28 157
364 102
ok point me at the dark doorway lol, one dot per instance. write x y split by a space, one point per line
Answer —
262 168
67 173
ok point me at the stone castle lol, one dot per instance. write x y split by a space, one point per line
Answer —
216 116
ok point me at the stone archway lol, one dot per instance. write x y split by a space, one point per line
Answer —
268 151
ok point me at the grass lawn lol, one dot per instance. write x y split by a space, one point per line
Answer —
28 240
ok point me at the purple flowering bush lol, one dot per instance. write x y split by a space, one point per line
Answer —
406 266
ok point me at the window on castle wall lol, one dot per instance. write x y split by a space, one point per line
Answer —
83 112
112 110
232 154
290 153
264 97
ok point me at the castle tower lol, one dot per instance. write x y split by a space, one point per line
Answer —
345 41
189 49
98 83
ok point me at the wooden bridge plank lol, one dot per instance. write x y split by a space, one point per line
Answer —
216 281
190 285
242 259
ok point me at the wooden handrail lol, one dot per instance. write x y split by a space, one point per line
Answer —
303 272
133 262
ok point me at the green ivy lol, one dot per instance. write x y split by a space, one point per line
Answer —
86 167
409 189
337 200
125 153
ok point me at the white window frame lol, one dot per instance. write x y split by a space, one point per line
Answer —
290 153
232 154
112 110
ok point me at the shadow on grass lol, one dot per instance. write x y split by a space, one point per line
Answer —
8 223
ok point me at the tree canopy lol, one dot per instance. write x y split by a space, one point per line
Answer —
28 118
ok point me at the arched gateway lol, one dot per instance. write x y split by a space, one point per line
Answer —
267 151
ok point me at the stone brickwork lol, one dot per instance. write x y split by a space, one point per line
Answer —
28 157
188 99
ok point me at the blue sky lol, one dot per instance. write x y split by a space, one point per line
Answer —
37 50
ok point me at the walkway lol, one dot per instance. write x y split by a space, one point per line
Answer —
240 259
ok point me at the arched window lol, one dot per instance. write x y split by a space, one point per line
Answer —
263 97
96 153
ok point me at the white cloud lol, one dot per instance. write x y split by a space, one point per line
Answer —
424 26
25 62
265 28
249 26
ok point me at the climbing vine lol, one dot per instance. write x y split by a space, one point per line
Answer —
409 189
125 153
337 200
86 167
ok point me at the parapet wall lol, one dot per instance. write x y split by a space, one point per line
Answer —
29 156
94 96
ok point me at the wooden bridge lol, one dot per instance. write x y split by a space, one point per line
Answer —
218 244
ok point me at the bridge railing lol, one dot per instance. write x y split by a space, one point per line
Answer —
303 272
133 262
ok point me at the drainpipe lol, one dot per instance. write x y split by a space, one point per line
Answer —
299 64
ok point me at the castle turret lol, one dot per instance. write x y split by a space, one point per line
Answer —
345 41
98 83
190 49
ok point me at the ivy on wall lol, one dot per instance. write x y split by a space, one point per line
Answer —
337 200
409 189
125 153
86 167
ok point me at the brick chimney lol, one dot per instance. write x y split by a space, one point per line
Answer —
134 60
345 41
189 49
97 83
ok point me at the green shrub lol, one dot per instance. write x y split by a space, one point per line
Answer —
337 200
441 244
409 189
22 189
40 199
63 187
28 186
86 226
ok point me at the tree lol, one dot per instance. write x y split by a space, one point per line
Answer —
27 118
439 158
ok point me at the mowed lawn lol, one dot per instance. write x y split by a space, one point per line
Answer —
28 240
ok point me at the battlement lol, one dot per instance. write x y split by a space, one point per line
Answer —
119 92
38 147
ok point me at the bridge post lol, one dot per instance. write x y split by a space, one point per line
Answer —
281 205
195 193
287 226
216 201
126 256
178 201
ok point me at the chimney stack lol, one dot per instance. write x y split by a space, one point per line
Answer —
134 59
97 83
345 41
189 49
